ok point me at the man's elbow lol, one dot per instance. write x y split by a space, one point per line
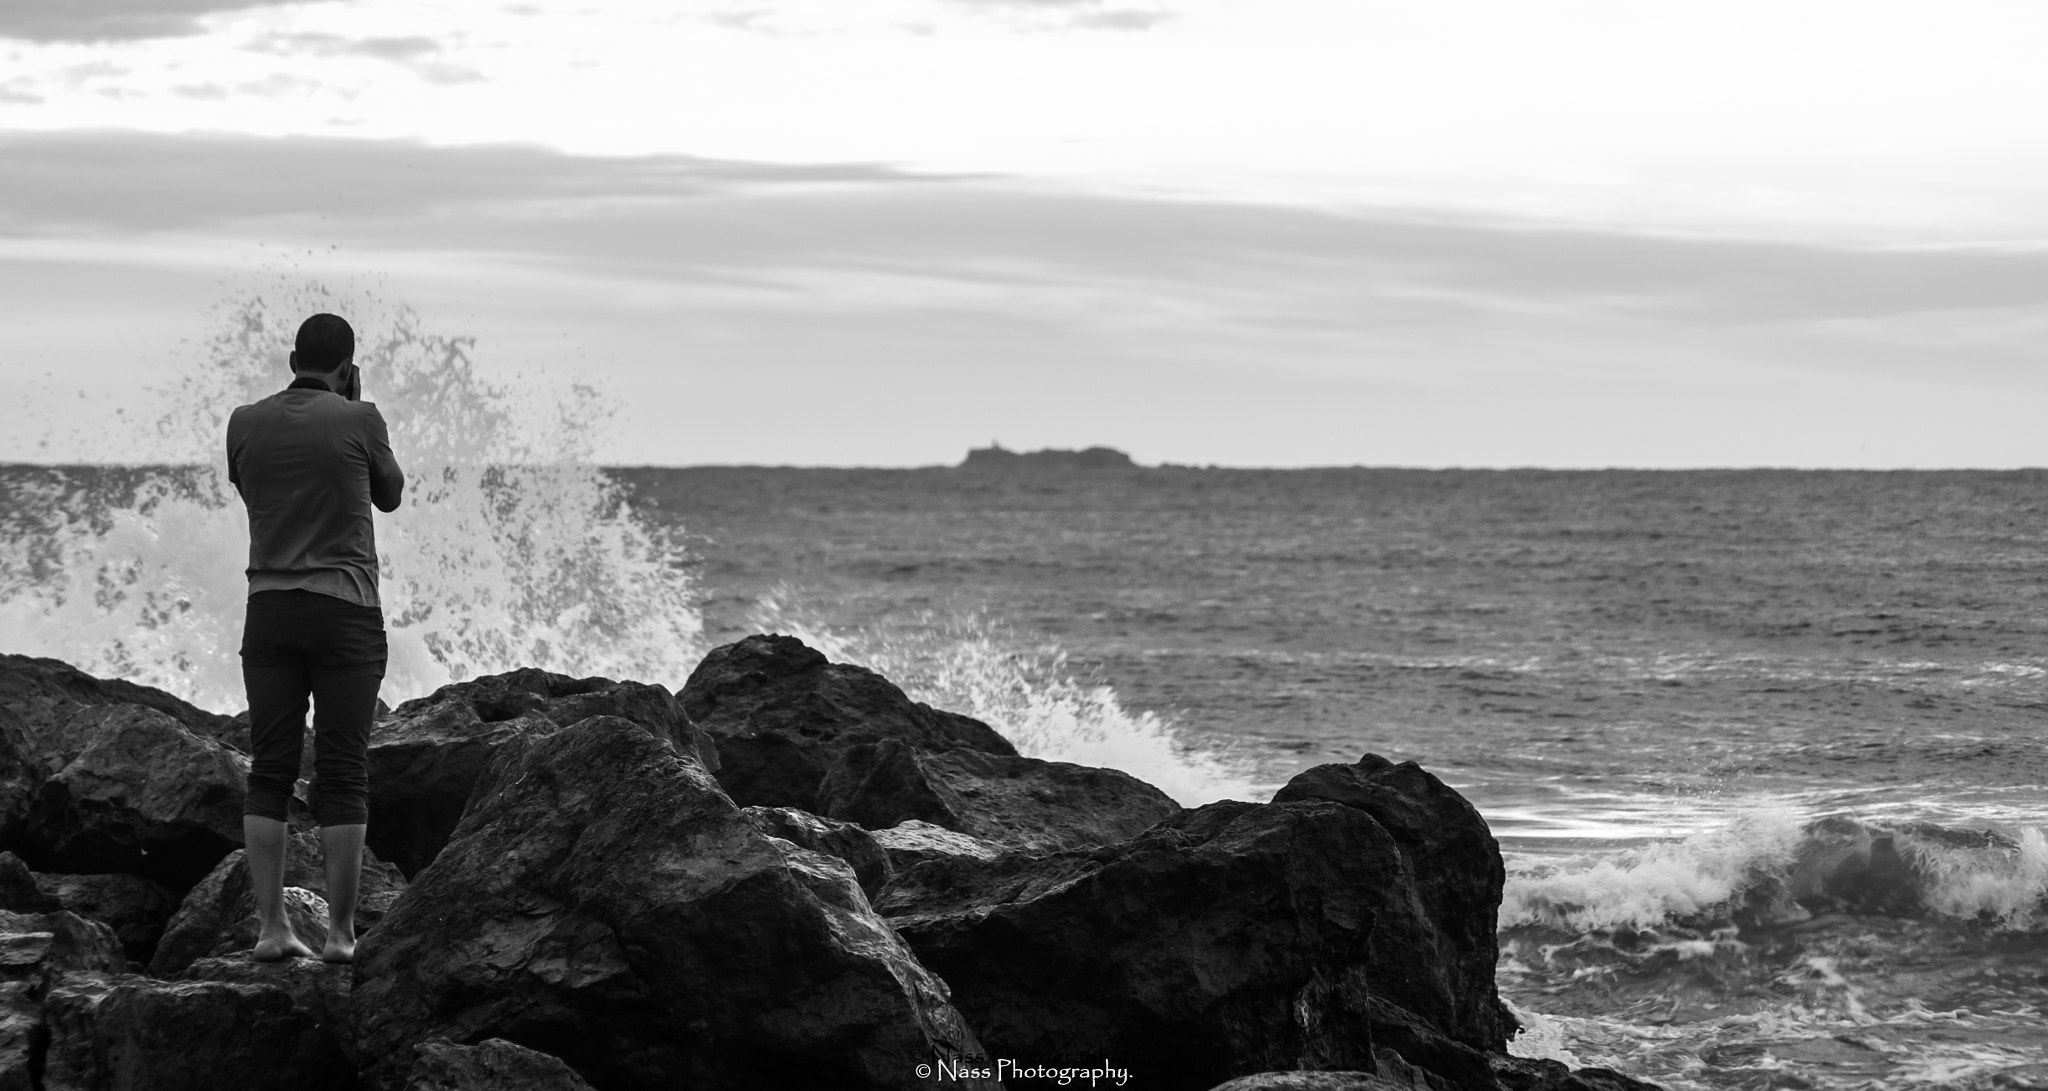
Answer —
387 497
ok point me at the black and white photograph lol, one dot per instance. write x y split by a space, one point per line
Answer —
1195 545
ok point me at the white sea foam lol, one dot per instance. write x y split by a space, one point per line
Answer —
2009 884
511 548
1642 886
972 665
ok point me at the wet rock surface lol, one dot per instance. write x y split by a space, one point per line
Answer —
1435 954
127 788
914 842
604 902
427 753
493 1064
137 909
124 1032
1231 939
846 840
1017 802
783 714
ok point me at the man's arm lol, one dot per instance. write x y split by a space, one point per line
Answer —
234 449
387 482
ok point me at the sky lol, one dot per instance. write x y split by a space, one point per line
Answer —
1572 233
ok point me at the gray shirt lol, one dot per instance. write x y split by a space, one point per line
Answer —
309 463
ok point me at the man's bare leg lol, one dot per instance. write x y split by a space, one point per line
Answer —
263 849
342 846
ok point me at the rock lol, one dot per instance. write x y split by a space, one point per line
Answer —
782 714
493 1064
845 840
304 910
130 789
45 692
137 909
20 773
118 1032
21 1020
911 843
1228 940
603 901
319 990
1313 1081
221 909
1017 802
19 891
426 755
1530 1074
1436 960
38 697
35 945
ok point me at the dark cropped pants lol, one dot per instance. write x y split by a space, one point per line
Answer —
301 644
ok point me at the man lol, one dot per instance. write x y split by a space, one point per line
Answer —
309 461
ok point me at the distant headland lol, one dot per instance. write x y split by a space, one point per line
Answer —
996 457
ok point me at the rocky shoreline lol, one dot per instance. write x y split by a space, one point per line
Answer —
788 874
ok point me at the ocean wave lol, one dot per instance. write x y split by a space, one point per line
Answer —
1772 864
969 663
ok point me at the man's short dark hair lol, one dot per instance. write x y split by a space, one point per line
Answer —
325 342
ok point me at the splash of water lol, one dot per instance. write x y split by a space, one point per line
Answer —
970 664
511 549
1642 887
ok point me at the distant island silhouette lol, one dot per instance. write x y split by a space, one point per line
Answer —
997 457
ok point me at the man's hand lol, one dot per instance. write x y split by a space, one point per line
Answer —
352 387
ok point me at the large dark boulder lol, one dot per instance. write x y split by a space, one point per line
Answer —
36 945
1228 940
1016 802
427 753
20 773
129 789
21 1025
1315 1081
782 714
1531 1074
40 703
1439 967
121 1032
845 840
493 1064
19 890
319 992
44 693
137 909
604 902
218 913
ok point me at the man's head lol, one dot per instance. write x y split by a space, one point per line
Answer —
325 345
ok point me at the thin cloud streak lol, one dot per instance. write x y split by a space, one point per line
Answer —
114 20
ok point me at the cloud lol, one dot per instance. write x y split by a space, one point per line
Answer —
1084 14
397 50
966 304
415 53
67 182
868 236
113 20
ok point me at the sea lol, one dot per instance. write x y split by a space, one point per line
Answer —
1766 751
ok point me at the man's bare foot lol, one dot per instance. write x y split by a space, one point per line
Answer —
279 948
338 949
